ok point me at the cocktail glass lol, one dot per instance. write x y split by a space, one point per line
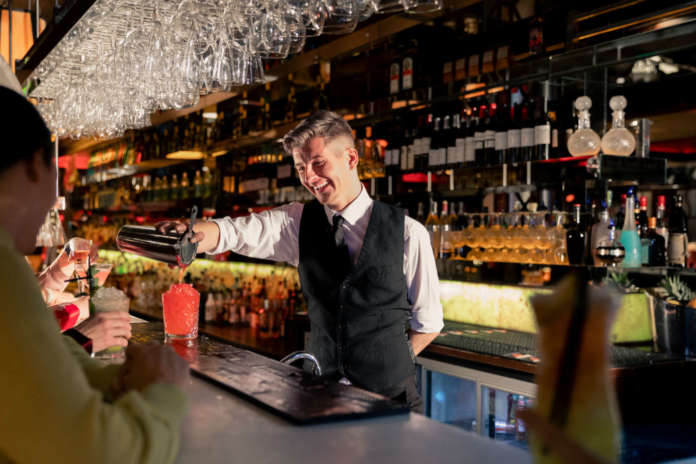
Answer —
180 312
108 299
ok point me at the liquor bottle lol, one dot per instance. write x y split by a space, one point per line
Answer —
501 132
207 184
621 214
629 235
407 73
198 185
432 220
618 140
657 253
444 225
662 225
420 214
435 141
165 192
479 129
584 141
678 229
514 136
455 147
395 77
527 133
184 186
461 217
453 217
576 238
643 217
470 139
599 233
556 151
446 142
489 136
174 188
542 134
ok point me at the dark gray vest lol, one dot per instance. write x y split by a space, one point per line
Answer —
359 321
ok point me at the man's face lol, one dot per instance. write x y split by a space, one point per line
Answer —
325 170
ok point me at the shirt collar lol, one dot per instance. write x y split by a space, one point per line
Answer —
355 210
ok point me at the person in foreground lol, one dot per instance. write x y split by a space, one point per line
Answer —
367 271
59 405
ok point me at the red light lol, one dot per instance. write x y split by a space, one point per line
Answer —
415 178
62 217
570 198
139 219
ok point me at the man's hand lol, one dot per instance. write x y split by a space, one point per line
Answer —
106 329
205 233
149 364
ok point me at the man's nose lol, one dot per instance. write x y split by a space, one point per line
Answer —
309 173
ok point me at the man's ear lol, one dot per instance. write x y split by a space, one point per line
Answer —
32 167
353 157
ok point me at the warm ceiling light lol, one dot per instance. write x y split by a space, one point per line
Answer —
215 154
186 155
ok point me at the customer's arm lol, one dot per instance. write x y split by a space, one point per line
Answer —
49 394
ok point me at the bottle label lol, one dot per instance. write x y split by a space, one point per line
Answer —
410 158
489 143
470 149
554 138
542 134
460 142
527 137
500 141
407 73
514 138
432 158
404 157
425 145
677 249
394 78
451 155
442 156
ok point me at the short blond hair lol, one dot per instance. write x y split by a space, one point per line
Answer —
326 124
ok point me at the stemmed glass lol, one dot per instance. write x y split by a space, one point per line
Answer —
78 251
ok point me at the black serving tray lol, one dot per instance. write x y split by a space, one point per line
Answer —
284 390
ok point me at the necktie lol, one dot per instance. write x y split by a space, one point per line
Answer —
340 242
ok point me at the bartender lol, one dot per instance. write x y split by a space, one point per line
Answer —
367 269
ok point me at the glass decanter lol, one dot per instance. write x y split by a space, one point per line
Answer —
584 141
618 140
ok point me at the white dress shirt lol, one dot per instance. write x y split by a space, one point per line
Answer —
274 235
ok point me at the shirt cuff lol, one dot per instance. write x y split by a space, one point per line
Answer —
81 339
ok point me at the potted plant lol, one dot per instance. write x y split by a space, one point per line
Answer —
673 316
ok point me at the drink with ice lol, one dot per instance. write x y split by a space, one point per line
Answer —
109 299
180 311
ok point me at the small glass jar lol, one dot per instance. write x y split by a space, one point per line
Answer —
618 140
584 141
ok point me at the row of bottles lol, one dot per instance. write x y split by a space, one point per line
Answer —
264 304
172 188
553 237
492 132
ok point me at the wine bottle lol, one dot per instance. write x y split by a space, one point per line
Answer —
657 254
489 136
576 238
662 225
629 236
542 134
678 229
479 153
501 131
527 133
514 134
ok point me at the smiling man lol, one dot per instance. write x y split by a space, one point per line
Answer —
367 270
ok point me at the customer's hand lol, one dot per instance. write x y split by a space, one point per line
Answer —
106 329
149 364
66 259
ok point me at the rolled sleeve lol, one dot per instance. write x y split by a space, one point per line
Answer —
271 234
422 279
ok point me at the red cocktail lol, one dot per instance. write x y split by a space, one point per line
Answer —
180 310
